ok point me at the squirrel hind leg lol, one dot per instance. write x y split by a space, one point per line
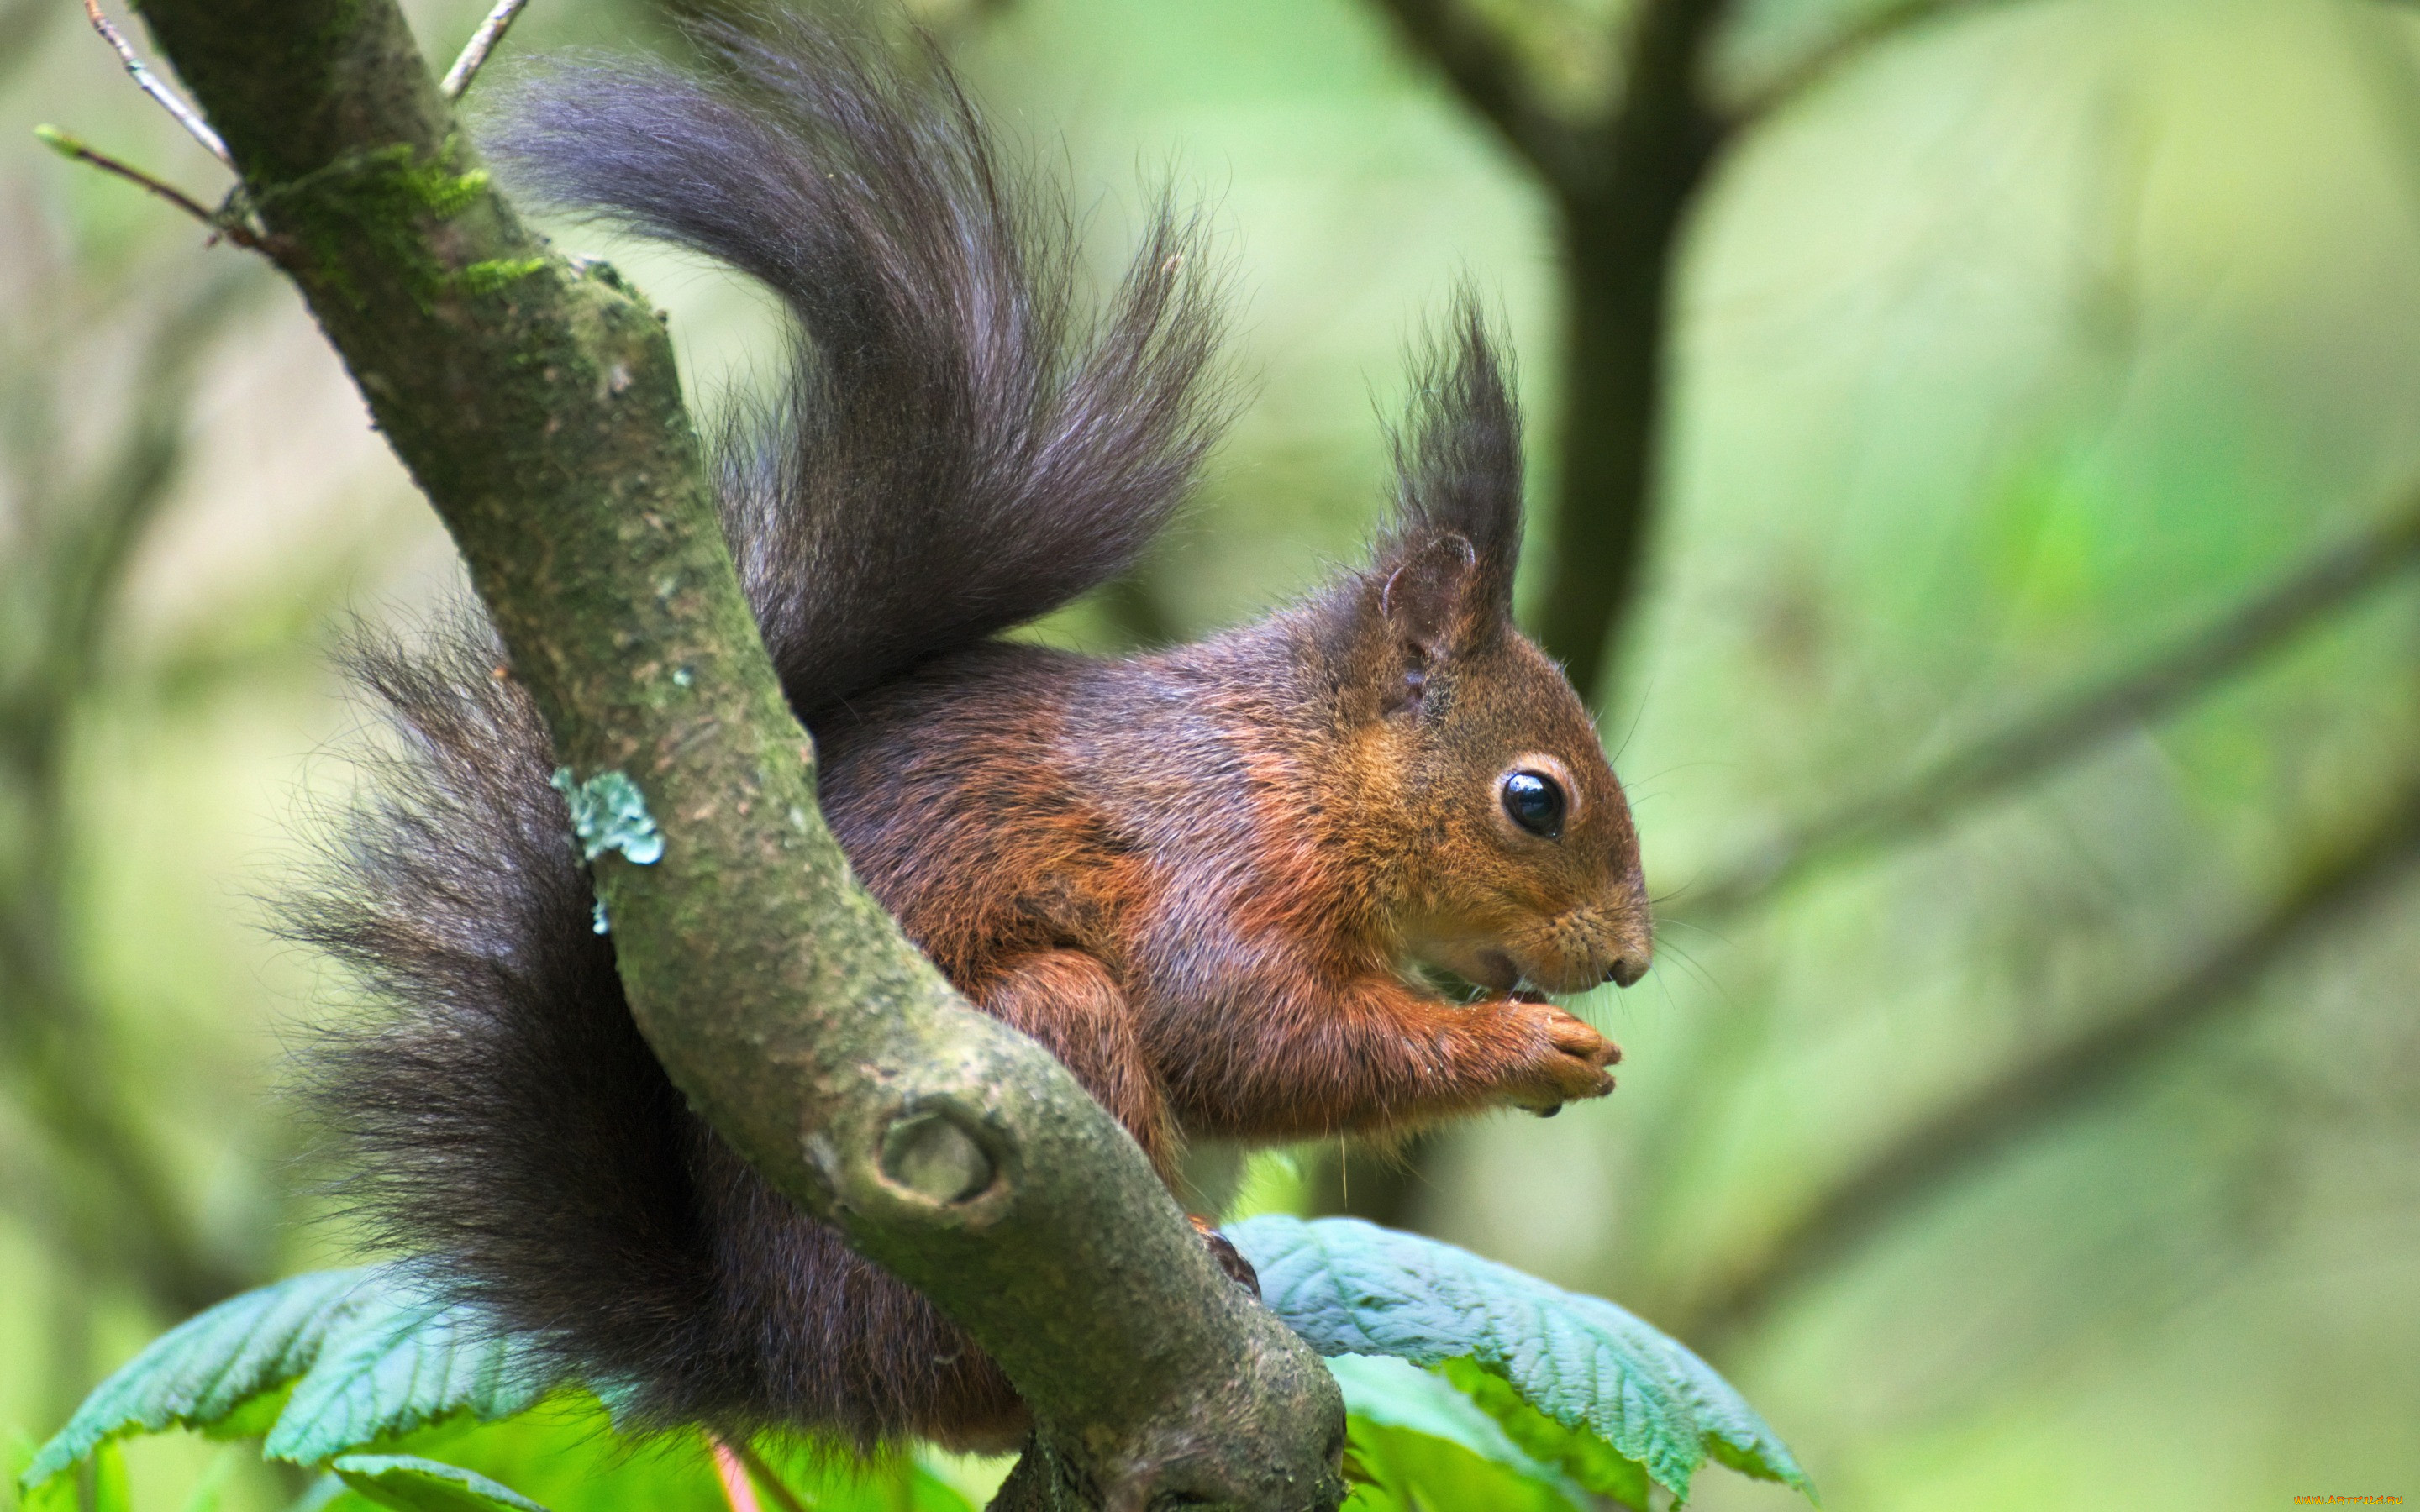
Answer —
1070 1002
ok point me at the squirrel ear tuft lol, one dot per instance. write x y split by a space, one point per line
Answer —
1427 599
1458 467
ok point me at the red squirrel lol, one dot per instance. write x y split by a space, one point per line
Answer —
1202 877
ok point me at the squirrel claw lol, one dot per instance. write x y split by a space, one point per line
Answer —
1567 1062
1229 1258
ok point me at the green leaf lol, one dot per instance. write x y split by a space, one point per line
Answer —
1577 1453
835 1480
210 1490
412 1484
1400 1470
58 1494
1392 1393
1556 1391
1464 1404
201 1371
1350 1288
321 1362
969 1480
566 1452
400 1361
111 1490
252 1417
54 1495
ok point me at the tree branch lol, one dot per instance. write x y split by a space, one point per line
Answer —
1802 74
2072 725
1930 1155
1492 80
538 405
1621 229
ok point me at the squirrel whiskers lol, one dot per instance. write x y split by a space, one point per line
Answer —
1200 877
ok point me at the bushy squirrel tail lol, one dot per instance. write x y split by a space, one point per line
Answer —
960 447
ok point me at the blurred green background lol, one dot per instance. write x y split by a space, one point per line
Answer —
2023 1110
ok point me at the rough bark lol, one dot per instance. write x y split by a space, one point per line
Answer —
537 402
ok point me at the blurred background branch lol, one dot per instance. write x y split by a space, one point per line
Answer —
1836 52
2068 728
1939 1147
1620 179
1621 175
1489 76
111 1193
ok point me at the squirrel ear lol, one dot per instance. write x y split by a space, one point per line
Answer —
1426 600
1458 466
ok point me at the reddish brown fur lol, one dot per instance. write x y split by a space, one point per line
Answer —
1198 878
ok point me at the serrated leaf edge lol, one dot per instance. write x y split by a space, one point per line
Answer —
1617 1409
502 1385
367 1466
324 1334
326 1296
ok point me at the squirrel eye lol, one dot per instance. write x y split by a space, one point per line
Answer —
1535 801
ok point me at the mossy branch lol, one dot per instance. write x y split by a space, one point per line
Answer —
536 404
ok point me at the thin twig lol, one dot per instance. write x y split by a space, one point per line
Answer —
767 1477
187 117
2068 727
65 145
1935 1152
475 51
219 222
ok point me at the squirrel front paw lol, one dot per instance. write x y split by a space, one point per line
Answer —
1563 1058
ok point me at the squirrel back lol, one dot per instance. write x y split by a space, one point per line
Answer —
1197 876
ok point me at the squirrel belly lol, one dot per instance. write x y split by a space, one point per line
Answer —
1200 877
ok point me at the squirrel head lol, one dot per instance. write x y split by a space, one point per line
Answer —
1516 858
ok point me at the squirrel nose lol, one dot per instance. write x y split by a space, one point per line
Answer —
1625 971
